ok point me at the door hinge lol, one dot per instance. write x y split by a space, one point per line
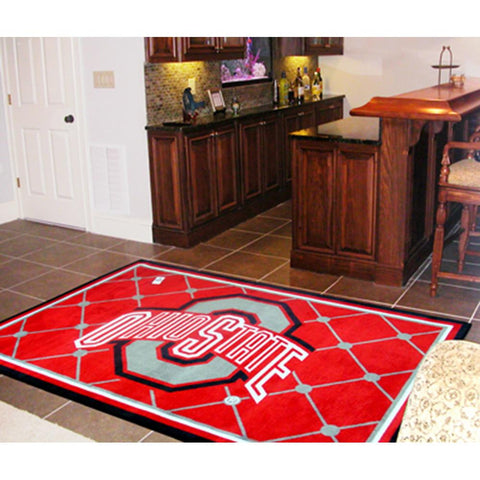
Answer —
9 97
18 182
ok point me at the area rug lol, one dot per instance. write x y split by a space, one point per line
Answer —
210 358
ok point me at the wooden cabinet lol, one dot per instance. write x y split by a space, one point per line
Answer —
323 45
211 176
306 116
194 181
286 46
161 49
260 143
212 173
184 49
334 199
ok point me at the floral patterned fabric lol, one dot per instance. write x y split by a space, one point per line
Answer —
444 405
465 173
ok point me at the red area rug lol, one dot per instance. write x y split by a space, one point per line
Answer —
205 357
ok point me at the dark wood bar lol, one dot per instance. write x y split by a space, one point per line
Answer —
394 196
223 169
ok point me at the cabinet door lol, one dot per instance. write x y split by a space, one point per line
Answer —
251 146
161 49
201 175
286 46
227 172
323 45
271 153
356 200
199 48
232 47
298 119
165 178
314 196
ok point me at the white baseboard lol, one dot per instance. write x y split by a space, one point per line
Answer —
9 212
138 230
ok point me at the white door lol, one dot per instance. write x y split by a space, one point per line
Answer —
41 81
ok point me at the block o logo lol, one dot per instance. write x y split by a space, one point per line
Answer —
205 342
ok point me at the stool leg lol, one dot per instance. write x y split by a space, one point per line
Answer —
438 246
466 224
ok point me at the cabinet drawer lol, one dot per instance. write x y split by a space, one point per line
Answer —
325 113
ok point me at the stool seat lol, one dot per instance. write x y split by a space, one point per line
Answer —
465 173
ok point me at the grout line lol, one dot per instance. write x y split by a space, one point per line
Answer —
145 436
244 246
274 270
412 280
56 410
333 284
474 313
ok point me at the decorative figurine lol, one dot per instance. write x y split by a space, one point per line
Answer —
235 105
190 106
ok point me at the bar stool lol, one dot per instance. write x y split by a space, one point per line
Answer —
459 182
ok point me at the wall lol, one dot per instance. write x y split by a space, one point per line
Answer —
116 119
385 66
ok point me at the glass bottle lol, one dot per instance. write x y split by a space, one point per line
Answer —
298 85
306 85
283 86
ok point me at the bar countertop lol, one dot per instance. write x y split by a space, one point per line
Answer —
219 118
346 130
441 102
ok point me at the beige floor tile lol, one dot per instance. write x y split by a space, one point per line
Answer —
97 425
198 256
52 284
246 265
29 398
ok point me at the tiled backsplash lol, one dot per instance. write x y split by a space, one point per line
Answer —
165 83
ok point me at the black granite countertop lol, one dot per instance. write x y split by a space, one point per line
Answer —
219 118
347 130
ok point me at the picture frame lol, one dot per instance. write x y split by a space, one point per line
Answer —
216 100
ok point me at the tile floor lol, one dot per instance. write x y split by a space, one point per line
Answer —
38 262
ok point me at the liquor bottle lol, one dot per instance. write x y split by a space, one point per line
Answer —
317 89
321 82
275 92
291 93
306 85
299 91
283 87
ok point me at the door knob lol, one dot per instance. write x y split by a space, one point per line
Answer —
69 119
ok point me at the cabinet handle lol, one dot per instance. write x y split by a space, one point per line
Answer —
301 114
